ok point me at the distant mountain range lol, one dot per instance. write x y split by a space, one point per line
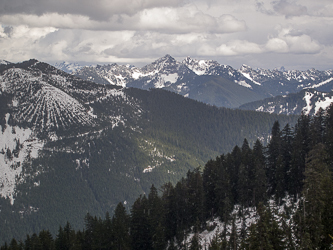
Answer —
210 82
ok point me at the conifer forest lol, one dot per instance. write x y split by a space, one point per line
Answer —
295 167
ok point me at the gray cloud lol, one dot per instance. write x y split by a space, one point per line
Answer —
260 6
139 31
95 10
163 20
8 30
288 9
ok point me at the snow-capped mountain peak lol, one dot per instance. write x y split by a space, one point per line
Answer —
187 76
245 68
68 67
200 67
4 62
164 64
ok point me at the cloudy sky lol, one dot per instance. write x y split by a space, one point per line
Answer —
296 34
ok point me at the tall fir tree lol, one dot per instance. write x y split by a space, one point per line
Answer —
156 217
300 148
259 178
195 197
120 228
273 153
141 237
310 224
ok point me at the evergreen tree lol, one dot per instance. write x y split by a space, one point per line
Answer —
215 243
65 238
36 243
273 153
14 245
327 215
4 247
168 199
93 233
156 219
309 219
141 237
181 209
195 197
248 173
233 162
243 185
328 135
300 148
210 179
223 189
109 232
195 242
46 240
317 128
265 233
120 228
233 239
259 178
283 175
280 187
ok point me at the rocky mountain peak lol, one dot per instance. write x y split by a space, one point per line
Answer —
245 68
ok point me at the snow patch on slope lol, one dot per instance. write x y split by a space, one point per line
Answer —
247 75
322 83
16 145
307 98
250 216
172 78
243 83
323 103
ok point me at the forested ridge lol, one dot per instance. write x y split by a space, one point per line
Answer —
297 161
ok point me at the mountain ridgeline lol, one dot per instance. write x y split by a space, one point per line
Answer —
215 84
70 146
307 101
277 196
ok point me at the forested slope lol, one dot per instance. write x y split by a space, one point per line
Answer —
70 146
296 164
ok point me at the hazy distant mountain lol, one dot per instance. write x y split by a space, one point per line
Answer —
68 67
307 101
209 81
4 62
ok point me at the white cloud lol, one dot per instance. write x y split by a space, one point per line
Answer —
170 20
130 31
277 45
188 19
95 10
232 48
293 42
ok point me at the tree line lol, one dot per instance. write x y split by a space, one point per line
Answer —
297 162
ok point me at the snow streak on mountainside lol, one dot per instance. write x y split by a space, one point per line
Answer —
40 104
187 78
307 101
17 146
45 106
